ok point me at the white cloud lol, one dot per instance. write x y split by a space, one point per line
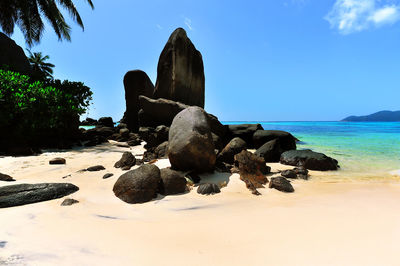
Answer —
159 26
385 15
188 23
349 16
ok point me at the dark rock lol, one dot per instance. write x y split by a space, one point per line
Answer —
149 155
190 142
89 122
95 168
309 160
234 147
13 56
218 143
4 177
136 82
208 189
106 122
139 185
161 111
69 202
301 170
282 184
252 169
122 125
126 167
270 151
139 161
16 195
245 132
286 140
217 127
289 174
155 112
180 71
172 182
108 175
223 167
124 132
194 177
127 160
134 142
57 161
162 150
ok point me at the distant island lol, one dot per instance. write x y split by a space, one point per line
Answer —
382 116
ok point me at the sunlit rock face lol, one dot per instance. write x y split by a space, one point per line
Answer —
180 71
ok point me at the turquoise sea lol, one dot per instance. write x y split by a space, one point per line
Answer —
362 148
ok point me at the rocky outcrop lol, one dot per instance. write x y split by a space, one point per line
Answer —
190 142
309 160
180 71
245 132
16 195
136 82
235 146
13 56
139 185
172 182
282 184
156 112
126 162
89 122
208 189
252 170
286 140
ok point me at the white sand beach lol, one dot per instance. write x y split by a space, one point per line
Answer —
326 221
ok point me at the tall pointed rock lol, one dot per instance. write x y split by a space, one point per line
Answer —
180 71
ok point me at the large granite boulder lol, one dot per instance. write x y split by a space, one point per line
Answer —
286 140
13 56
16 195
139 185
136 82
235 146
155 112
245 132
180 71
191 145
270 151
172 182
309 159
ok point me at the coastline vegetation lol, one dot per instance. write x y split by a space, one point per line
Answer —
34 112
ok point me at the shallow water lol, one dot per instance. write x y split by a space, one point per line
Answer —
360 147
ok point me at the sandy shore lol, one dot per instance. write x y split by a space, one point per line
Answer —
331 219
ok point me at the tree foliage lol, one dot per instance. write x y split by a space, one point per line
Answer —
36 110
27 15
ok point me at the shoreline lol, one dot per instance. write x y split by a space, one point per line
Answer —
324 220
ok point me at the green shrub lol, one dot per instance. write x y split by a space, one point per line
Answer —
34 110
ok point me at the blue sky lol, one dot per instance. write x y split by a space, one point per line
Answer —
289 60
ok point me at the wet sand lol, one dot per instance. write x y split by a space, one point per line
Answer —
332 219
